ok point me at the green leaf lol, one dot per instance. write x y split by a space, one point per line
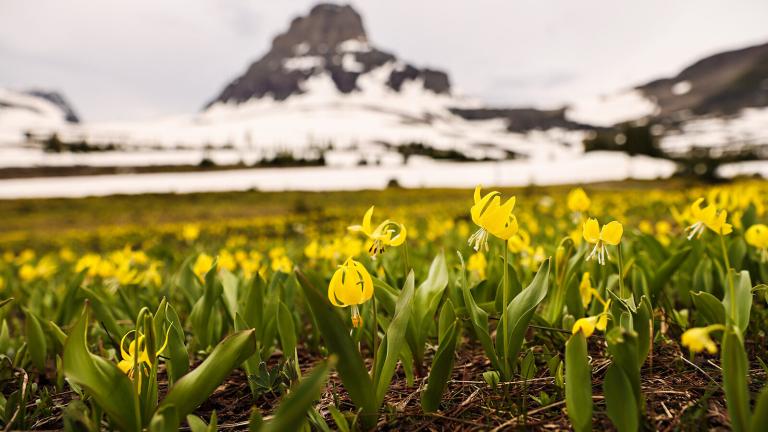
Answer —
623 347
643 325
708 307
394 340
165 419
735 368
350 367
578 383
202 315
196 424
619 400
291 413
341 422
742 285
665 272
479 319
251 364
104 314
230 283
446 319
109 387
442 366
195 387
287 332
520 311
37 346
760 416
177 363
426 299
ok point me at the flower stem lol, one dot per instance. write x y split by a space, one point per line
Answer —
375 335
505 302
405 258
731 288
621 274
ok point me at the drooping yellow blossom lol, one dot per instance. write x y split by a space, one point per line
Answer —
708 217
697 339
203 263
137 354
578 201
585 290
477 264
610 234
351 285
589 324
492 217
387 233
757 236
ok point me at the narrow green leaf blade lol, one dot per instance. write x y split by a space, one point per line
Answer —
109 387
578 383
195 387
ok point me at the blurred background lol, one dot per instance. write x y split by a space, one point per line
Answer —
110 97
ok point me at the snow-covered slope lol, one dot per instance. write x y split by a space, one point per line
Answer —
22 112
323 85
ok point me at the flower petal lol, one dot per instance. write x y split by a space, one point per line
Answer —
611 233
591 231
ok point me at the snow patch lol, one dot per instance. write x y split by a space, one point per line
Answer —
303 63
681 88
608 110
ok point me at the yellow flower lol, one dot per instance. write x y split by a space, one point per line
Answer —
492 217
519 242
351 285
137 354
312 250
203 263
589 324
707 218
66 254
27 273
610 234
585 290
227 260
477 264
282 264
578 201
387 233
757 236
2 283
697 339
190 232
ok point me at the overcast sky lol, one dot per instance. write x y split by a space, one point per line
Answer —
137 59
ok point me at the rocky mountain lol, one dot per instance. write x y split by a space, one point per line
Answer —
330 40
721 84
324 93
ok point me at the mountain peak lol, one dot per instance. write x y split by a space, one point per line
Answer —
330 43
325 28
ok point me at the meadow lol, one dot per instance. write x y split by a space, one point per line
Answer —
624 306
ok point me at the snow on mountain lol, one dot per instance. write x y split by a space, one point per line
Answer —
22 112
608 110
323 84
